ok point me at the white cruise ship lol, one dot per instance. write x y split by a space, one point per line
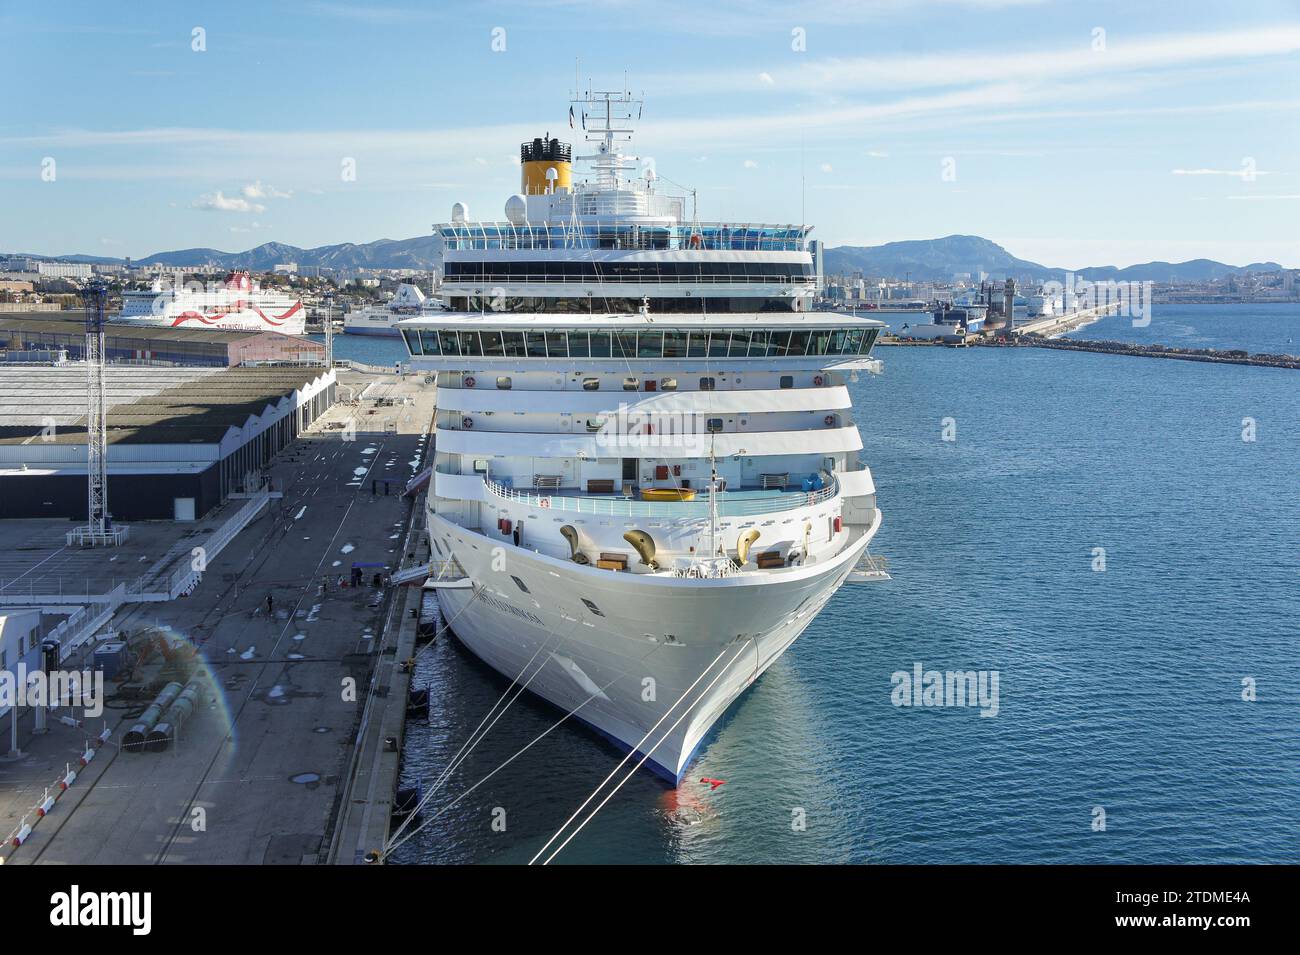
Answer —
382 320
237 304
646 482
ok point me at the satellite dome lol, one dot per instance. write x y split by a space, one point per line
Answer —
517 210
459 212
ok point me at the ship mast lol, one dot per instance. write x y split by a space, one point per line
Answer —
715 526
607 118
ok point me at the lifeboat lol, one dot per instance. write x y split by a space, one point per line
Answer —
667 494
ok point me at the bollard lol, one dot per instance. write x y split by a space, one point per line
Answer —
21 835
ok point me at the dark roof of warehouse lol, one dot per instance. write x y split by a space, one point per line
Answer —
198 411
76 325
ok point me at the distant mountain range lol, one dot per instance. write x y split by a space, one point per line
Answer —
925 259
929 259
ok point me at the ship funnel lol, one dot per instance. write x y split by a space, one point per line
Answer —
570 534
644 545
743 544
546 165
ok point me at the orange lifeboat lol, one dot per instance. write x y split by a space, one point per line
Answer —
667 494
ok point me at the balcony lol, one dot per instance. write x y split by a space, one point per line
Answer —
742 502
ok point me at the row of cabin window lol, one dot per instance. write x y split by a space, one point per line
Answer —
707 383
644 344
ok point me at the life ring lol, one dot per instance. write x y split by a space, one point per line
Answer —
817 381
467 422
829 420
469 382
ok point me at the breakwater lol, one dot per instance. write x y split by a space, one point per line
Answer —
1216 355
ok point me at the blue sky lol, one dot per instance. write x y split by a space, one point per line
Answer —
1172 134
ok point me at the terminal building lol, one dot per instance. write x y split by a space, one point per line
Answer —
157 344
180 440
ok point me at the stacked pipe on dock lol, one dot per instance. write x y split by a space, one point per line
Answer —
180 711
134 740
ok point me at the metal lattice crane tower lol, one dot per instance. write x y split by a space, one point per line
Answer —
96 297
329 329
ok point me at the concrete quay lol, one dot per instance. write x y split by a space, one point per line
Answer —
258 774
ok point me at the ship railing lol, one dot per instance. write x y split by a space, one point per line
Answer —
480 279
616 506
615 232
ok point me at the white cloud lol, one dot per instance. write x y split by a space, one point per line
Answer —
1240 173
766 79
255 190
957 68
751 164
826 167
375 15
218 202
1267 198
877 154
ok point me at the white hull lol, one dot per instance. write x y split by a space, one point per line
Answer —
374 329
381 320
276 315
730 629
931 332
238 304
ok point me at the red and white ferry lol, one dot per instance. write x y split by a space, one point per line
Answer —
237 304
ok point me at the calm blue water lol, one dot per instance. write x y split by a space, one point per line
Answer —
1119 689
369 349
1271 329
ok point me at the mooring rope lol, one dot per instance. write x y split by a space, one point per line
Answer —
633 750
